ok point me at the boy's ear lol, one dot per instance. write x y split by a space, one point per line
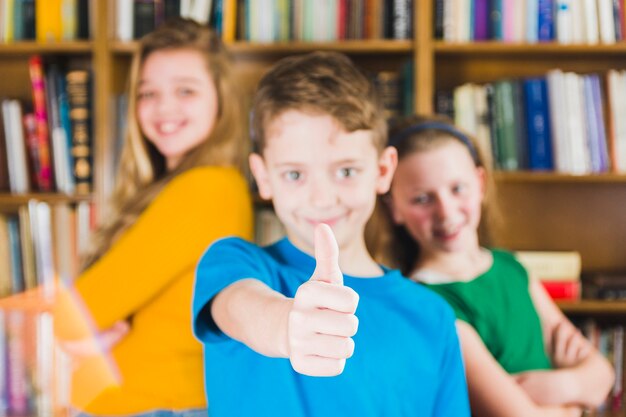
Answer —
261 177
387 162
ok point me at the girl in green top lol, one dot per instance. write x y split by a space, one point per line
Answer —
522 356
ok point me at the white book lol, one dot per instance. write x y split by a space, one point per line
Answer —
532 21
83 227
564 21
483 131
450 8
464 113
41 229
590 21
558 119
63 242
185 8
44 369
200 10
16 152
606 21
617 86
578 153
577 30
124 20
551 265
519 20
3 16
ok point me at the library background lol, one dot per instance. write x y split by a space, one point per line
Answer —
537 81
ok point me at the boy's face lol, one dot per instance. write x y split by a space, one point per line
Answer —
316 172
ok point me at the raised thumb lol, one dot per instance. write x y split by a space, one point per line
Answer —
326 256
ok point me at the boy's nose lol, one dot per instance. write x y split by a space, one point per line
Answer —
322 193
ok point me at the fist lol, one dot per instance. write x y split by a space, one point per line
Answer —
322 321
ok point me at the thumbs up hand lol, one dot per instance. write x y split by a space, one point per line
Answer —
322 321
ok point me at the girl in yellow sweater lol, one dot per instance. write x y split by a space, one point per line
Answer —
179 189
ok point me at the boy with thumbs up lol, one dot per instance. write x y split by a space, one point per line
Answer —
279 323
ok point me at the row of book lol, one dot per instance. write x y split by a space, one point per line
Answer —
40 243
609 340
44 20
274 20
530 21
46 144
31 383
557 122
558 271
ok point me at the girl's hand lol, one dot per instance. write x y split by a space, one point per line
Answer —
545 387
104 341
569 346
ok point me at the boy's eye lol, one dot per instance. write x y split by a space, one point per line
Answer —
346 172
421 199
292 175
458 188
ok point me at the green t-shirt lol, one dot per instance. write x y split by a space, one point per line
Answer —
498 305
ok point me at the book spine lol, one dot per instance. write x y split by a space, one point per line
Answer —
44 172
545 22
563 290
481 20
78 87
538 122
143 18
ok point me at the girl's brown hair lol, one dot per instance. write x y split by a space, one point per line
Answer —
142 173
394 245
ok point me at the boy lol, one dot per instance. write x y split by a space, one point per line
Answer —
320 135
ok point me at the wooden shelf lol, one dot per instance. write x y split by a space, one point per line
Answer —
493 47
7 199
27 48
555 177
594 307
382 46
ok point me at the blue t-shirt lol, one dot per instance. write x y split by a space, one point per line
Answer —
406 360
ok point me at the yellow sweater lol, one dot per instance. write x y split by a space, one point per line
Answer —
148 275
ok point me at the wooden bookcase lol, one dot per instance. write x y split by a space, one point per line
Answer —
543 211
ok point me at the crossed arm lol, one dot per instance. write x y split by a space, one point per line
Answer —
582 375
581 378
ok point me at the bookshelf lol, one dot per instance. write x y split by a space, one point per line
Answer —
544 211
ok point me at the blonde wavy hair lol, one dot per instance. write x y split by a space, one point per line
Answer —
142 172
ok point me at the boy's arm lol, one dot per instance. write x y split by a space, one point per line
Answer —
314 329
493 392
583 376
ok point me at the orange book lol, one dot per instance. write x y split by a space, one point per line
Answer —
48 27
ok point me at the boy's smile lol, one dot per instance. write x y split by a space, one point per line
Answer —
316 172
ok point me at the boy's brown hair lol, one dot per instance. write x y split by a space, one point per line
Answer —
326 83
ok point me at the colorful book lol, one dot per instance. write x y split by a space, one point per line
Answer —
48 21
563 290
538 124
79 96
557 266
43 175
